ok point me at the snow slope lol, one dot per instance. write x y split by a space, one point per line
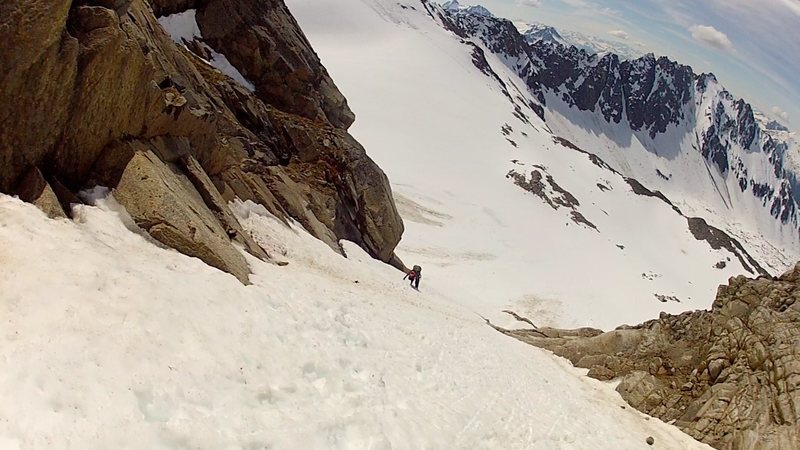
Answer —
110 341
434 123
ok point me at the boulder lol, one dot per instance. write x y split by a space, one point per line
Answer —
164 202
601 373
642 390
334 189
35 189
213 199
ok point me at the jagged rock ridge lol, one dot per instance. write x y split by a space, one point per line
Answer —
96 92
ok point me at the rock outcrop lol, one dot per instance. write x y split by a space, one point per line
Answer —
35 189
729 377
97 92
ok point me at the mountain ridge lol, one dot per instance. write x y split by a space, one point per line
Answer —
657 98
535 32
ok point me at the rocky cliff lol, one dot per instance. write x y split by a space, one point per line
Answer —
729 376
95 92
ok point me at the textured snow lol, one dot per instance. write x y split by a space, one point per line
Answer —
112 342
182 28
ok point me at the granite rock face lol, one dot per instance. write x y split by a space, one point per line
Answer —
87 83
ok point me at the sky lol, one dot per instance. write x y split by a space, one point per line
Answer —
752 46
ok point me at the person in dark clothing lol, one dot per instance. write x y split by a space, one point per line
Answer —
414 275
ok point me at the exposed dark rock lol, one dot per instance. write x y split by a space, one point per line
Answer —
35 189
667 298
549 191
578 218
262 40
718 239
701 230
546 188
639 189
596 160
774 125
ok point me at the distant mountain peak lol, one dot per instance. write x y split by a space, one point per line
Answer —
539 32
774 125
536 33
451 5
478 10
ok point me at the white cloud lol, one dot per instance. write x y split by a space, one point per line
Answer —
781 114
620 34
531 3
793 5
591 8
711 36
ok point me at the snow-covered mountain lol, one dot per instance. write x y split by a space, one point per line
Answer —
655 120
540 32
455 6
535 32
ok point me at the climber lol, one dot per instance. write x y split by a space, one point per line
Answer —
414 275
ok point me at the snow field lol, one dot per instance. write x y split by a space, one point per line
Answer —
110 341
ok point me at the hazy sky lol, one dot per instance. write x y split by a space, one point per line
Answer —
752 46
